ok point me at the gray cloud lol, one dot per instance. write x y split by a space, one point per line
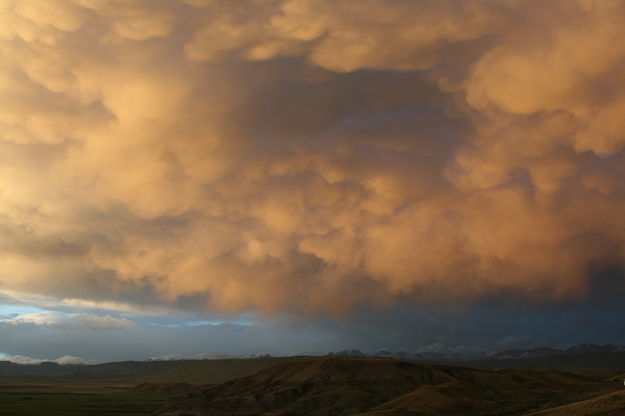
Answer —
69 321
65 360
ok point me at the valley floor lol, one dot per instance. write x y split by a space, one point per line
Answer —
89 398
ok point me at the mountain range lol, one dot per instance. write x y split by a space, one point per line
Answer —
470 356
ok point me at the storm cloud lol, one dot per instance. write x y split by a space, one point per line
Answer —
310 157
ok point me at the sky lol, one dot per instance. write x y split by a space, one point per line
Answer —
184 177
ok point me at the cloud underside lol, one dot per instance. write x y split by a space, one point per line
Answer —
309 156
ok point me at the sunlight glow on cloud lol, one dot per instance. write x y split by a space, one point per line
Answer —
308 156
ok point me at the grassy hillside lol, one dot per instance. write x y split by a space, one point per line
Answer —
611 404
306 386
197 371
214 371
386 387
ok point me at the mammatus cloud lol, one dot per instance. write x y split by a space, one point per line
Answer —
306 155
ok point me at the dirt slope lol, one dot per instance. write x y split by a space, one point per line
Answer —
611 404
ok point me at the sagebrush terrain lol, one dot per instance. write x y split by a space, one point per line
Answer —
305 386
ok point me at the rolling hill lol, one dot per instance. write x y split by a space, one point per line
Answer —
213 371
385 387
183 371
611 404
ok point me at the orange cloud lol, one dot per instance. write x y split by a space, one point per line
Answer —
309 156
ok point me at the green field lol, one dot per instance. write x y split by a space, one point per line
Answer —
109 389
70 404
46 397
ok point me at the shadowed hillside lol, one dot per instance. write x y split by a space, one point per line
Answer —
184 371
214 371
384 387
611 404
94 371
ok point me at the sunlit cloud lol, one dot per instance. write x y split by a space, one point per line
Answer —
307 156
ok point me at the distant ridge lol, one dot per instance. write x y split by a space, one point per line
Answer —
106 370
582 357
137 372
